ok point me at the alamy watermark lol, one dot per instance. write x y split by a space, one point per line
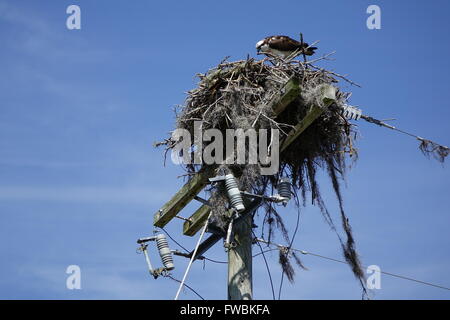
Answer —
374 279
241 146
373 22
73 281
73 21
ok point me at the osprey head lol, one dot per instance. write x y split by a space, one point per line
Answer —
261 46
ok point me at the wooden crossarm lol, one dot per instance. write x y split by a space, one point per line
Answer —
328 97
289 92
182 197
196 221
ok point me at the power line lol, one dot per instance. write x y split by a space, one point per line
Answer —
343 262
265 251
174 279
290 245
167 233
215 261
311 254
267 267
440 152
427 146
225 262
177 243
304 253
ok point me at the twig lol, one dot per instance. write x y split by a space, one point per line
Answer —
324 57
337 75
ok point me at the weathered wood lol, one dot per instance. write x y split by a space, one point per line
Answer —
182 198
288 94
328 97
196 221
240 286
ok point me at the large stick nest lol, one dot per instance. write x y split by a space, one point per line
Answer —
235 95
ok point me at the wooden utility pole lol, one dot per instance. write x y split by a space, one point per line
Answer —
240 285
240 280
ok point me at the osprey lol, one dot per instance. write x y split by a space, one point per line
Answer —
283 46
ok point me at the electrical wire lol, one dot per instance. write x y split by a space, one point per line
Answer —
265 251
226 262
267 267
443 150
167 233
169 276
205 258
343 262
440 152
216 261
290 245
289 249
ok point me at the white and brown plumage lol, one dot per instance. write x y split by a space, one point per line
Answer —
283 46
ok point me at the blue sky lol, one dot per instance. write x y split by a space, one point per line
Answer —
79 111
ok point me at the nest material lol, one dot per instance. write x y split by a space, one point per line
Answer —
235 95
430 148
